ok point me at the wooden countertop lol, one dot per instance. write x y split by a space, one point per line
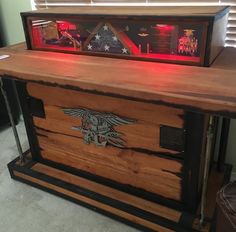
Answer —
200 89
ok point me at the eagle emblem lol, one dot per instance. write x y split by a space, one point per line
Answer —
97 127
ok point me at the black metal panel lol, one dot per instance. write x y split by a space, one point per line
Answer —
195 125
223 143
172 138
26 32
36 107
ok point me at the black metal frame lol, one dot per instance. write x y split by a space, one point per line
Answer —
195 125
223 143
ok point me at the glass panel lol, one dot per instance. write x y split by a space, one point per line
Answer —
146 40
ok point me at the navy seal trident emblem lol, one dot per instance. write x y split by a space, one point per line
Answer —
97 127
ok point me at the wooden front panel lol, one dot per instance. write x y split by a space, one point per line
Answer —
141 163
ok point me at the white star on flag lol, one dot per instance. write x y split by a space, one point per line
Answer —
106 47
97 36
114 38
105 27
90 47
124 50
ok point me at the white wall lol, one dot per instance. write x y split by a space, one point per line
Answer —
10 19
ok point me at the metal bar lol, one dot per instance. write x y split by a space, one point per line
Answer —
223 144
17 139
210 134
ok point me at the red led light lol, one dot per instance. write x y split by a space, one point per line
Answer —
36 36
64 26
164 27
63 35
171 57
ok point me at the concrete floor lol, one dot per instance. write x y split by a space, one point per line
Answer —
27 209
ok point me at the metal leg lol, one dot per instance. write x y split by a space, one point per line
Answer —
18 144
223 144
210 133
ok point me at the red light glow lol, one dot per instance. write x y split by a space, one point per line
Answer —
171 57
164 27
36 35
50 40
64 26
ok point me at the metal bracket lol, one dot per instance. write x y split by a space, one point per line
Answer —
18 143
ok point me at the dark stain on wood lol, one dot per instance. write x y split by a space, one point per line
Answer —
155 102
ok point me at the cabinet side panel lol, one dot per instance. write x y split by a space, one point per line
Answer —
218 37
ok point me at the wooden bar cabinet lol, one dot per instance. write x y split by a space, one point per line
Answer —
128 138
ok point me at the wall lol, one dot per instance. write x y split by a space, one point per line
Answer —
11 26
13 33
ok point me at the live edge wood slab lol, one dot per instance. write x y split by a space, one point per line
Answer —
125 138
195 88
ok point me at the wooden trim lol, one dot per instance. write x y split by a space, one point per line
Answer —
157 220
116 204
143 204
91 202
148 11
116 185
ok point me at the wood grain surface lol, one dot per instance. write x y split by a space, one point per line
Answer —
143 132
151 173
194 88
136 10
157 209
131 165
